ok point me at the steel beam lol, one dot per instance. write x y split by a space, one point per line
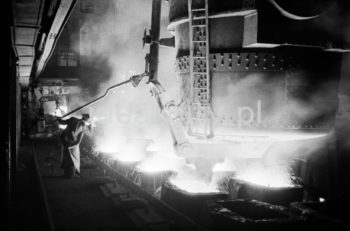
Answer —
63 12
155 31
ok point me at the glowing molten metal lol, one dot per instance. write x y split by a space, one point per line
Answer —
266 176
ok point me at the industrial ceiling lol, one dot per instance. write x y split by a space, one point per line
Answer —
35 28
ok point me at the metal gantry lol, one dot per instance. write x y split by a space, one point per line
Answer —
200 99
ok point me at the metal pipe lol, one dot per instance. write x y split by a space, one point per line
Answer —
97 99
155 31
134 80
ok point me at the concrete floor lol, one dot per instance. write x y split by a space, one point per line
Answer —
27 210
78 203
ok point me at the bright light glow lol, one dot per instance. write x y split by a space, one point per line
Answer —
227 165
194 186
321 199
298 136
153 147
134 150
128 158
269 176
107 147
61 110
188 180
265 136
159 163
62 126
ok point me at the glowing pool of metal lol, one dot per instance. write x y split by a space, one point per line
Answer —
194 186
266 176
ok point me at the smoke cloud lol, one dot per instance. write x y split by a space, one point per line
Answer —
112 52
111 49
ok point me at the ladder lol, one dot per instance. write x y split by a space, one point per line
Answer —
200 124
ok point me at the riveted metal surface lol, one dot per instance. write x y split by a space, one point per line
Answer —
241 61
290 74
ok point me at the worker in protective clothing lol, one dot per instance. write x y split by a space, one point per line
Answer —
71 138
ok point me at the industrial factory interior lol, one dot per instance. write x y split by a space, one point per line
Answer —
175 115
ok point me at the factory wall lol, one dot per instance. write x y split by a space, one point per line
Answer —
342 125
71 56
13 129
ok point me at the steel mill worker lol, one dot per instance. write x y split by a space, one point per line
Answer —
71 138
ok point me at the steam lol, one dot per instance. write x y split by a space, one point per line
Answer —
188 179
114 44
262 99
275 176
111 48
129 114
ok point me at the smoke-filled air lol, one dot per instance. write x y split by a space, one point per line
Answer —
128 124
